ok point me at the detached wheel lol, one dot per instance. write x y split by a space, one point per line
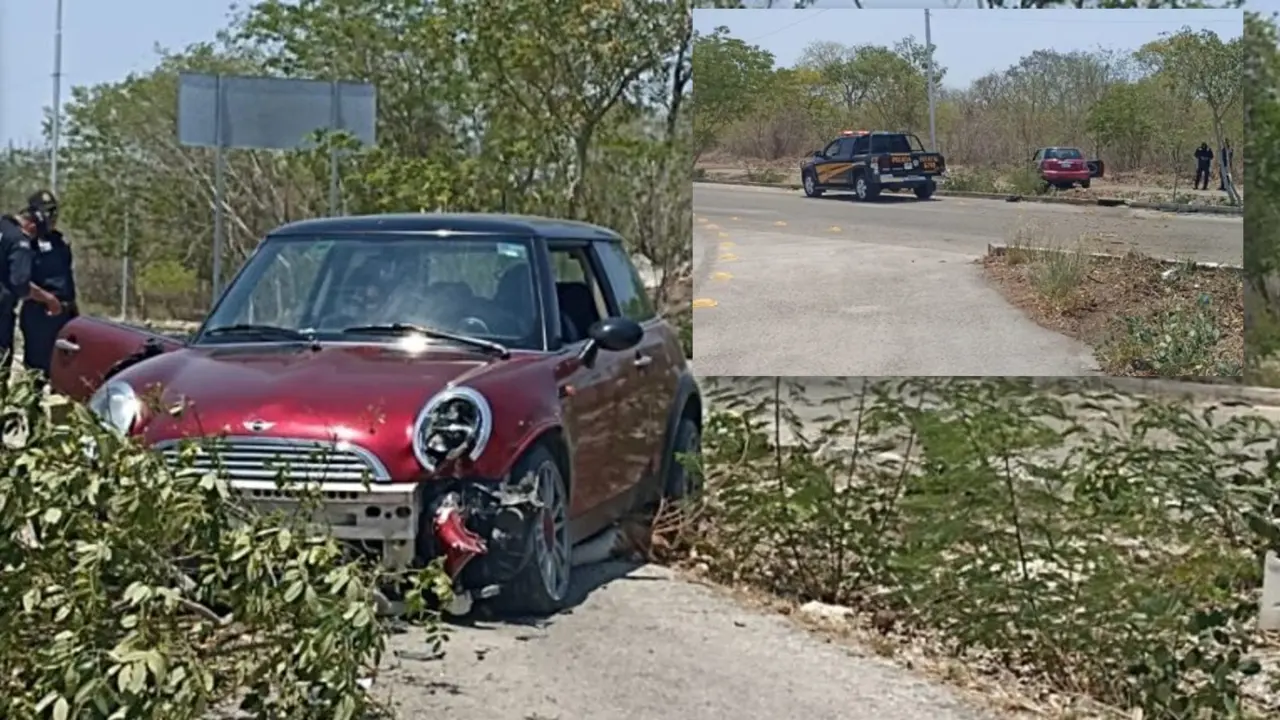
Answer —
542 585
680 483
865 190
811 185
924 192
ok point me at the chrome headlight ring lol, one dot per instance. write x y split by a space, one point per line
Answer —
117 406
455 422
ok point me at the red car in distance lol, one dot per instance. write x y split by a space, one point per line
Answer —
1065 167
489 389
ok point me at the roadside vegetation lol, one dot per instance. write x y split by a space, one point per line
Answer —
1142 113
1262 225
1071 553
1142 316
133 591
550 120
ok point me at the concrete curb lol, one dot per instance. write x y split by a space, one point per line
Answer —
1001 249
1047 199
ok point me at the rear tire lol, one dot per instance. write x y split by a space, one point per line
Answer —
542 585
864 189
924 192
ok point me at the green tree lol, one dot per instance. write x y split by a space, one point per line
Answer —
1200 64
729 75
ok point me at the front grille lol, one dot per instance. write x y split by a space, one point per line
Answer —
277 459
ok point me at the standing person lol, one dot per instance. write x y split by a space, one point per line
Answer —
51 271
1204 163
17 232
1227 153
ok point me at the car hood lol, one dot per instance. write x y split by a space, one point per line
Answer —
344 392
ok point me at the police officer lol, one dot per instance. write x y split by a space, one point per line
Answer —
17 232
1204 163
51 271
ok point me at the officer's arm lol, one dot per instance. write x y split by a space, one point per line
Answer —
19 255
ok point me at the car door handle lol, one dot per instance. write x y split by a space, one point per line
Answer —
642 361
66 345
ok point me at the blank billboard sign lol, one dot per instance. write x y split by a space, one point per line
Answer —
267 113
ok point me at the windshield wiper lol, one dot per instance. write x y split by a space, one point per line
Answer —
264 331
409 328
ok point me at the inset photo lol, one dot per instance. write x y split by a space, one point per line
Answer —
968 192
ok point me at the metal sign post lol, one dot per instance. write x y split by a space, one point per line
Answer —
226 112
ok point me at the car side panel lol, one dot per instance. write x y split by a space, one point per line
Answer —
88 348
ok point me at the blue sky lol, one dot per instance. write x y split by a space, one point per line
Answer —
105 41
971 43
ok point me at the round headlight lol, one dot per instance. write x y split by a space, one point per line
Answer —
117 406
454 423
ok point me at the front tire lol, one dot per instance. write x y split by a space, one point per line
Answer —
680 483
542 585
811 185
924 192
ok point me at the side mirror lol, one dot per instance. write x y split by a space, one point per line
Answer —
614 334
815 153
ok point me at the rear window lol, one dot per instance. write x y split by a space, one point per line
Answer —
895 144
1063 154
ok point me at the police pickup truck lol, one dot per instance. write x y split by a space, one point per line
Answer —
867 162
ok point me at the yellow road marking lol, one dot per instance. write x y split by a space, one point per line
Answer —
724 234
721 276
699 303
712 226
735 218
728 257
701 219
834 228
726 245
780 223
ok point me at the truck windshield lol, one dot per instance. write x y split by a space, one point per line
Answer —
320 285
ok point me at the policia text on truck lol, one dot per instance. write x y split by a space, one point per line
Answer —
868 162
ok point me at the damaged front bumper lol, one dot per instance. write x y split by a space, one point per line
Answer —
482 529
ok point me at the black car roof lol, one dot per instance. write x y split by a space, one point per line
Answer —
527 225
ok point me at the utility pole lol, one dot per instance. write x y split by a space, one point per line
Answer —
933 118
57 101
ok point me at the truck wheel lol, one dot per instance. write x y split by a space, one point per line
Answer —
542 585
924 192
811 185
865 190
1084 184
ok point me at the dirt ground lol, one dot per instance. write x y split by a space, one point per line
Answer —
1143 317
1137 186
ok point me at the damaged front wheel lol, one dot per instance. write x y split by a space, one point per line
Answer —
542 585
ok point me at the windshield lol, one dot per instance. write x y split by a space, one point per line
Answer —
321 286
1063 154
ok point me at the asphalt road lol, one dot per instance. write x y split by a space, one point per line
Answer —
787 285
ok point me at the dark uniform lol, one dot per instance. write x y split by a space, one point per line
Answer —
1204 164
51 269
15 280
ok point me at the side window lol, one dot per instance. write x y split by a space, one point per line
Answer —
833 150
628 288
578 292
862 145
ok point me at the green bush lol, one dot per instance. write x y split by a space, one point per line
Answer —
1178 342
1029 531
130 591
